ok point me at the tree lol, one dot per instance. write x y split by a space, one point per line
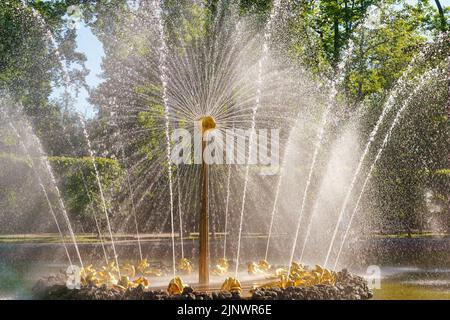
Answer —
333 23
415 161
30 66
383 52
441 15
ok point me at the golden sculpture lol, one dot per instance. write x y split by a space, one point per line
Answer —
300 276
231 285
176 286
252 268
264 265
144 269
207 123
109 275
185 265
259 268
132 276
221 267
142 266
128 269
88 276
142 281
124 282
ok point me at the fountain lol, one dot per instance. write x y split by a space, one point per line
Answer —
207 123
229 83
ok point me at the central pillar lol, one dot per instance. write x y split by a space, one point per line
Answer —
207 123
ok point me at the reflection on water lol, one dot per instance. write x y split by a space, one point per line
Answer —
12 282
404 283
17 279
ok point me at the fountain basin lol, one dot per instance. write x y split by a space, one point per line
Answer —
347 287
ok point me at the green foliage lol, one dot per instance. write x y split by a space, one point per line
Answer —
20 193
327 27
260 8
384 46
79 183
19 41
382 54
29 67
195 26
10 194
187 21
151 146
416 158
14 158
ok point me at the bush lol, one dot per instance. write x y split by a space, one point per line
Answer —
79 186
23 205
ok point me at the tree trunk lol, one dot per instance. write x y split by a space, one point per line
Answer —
361 66
347 19
441 15
350 23
336 40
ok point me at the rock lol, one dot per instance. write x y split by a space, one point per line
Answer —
236 295
191 296
187 290
227 295
256 296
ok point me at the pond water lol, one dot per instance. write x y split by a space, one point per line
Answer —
17 279
409 283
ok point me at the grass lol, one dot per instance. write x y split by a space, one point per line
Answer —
410 236
46 238
90 238
43 238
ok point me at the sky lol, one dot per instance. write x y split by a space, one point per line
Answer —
92 48
88 44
